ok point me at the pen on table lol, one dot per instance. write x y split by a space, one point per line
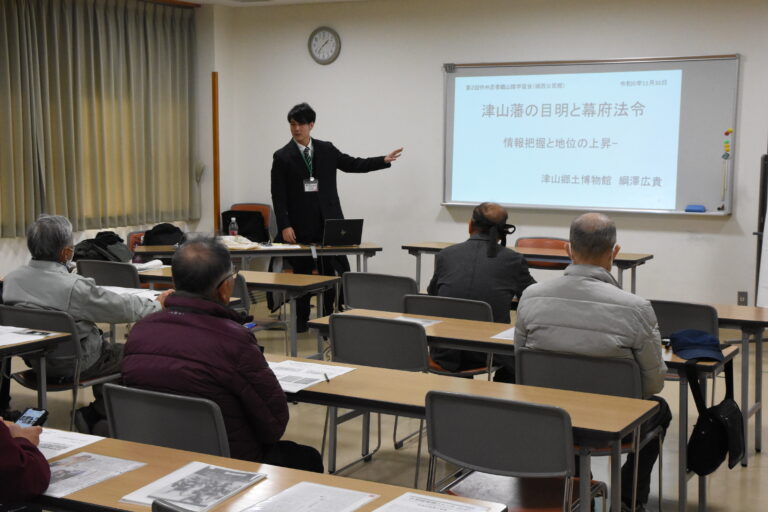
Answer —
326 378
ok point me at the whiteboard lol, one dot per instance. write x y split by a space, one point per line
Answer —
637 135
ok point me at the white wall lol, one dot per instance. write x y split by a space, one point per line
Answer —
386 90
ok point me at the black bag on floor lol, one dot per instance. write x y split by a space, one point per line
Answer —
719 431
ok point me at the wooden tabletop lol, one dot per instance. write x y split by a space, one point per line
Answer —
24 346
162 461
281 280
592 416
276 250
449 330
740 316
533 253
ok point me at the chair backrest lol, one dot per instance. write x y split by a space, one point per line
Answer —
45 320
110 273
164 419
376 291
381 342
601 375
266 212
240 291
539 242
449 307
674 316
502 437
134 239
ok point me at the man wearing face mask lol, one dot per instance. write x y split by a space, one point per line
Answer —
45 283
483 269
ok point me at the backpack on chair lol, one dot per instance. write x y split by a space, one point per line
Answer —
106 246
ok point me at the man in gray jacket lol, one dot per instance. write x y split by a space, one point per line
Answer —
46 283
585 312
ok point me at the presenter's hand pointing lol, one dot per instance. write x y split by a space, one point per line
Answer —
393 155
289 236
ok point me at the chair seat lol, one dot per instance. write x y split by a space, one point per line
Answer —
434 367
28 379
518 494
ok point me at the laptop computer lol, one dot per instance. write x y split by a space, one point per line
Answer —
343 231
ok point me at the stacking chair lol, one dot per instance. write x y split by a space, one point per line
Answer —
266 212
450 307
240 291
532 443
380 342
376 291
539 242
164 419
599 375
674 316
110 273
47 320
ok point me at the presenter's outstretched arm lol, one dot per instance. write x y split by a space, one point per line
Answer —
394 155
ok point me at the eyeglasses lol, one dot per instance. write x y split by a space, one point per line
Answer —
233 275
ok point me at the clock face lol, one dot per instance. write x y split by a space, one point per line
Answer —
324 45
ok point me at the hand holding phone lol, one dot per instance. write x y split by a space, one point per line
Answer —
31 434
32 417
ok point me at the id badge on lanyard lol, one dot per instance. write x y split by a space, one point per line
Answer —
311 185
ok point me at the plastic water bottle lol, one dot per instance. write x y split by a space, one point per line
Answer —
233 227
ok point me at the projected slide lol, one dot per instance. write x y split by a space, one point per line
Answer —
603 140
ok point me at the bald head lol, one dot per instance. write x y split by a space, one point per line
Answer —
199 266
593 236
486 215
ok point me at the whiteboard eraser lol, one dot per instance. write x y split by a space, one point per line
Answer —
696 208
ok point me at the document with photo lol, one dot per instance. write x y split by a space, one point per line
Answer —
84 470
58 442
422 321
195 487
414 502
10 335
311 497
297 375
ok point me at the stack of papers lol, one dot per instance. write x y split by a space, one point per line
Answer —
58 442
413 502
295 375
238 242
309 497
12 335
84 470
139 292
196 486
149 265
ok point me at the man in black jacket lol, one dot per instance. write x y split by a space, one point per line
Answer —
304 194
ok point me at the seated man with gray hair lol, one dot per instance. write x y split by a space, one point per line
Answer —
584 312
46 283
198 347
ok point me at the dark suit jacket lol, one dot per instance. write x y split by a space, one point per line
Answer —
306 212
465 271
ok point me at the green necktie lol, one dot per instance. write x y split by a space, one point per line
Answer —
308 160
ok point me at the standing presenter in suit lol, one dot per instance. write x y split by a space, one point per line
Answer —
304 194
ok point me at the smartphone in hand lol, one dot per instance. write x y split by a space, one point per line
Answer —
32 417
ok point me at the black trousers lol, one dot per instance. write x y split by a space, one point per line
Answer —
647 458
295 456
326 266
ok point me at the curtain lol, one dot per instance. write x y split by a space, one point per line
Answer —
96 113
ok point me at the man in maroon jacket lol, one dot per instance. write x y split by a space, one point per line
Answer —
198 347
24 472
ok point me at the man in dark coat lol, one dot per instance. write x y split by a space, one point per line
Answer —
304 194
198 347
24 472
480 269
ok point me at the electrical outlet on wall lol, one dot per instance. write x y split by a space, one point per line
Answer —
741 298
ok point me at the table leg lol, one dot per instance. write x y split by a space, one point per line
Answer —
357 262
634 280
703 479
758 389
292 337
585 468
682 444
332 431
745 390
616 476
418 270
42 384
620 278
